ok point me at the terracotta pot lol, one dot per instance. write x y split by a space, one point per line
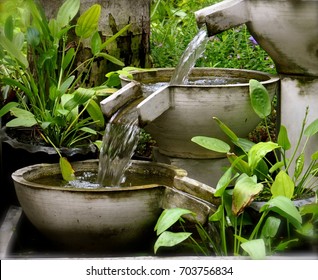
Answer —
113 218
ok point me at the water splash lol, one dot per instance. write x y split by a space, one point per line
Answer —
119 143
194 50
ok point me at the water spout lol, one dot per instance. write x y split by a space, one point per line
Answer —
223 16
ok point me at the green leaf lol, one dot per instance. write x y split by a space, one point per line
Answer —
33 36
276 166
68 58
8 28
270 228
282 246
282 139
87 23
223 182
111 59
245 190
299 166
169 217
244 144
66 84
255 248
115 36
67 12
240 164
217 215
88 130
226 130
284 207
79 97
260 99
258 151
212 144
6 108
96 113
311 129
66 169
283 185
170 239
23 118
314 156
15 52
96 43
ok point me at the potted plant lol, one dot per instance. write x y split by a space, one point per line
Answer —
49 82
250 176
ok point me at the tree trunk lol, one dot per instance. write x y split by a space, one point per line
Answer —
132 48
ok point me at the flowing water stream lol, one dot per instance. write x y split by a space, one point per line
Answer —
121 136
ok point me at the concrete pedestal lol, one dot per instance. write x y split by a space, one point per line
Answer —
207 171
296 94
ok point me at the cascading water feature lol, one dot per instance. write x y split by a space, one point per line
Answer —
288 31
188 59
119 143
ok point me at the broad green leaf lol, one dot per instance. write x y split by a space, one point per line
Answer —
67 12
217 215
79 97
87 23
111 59
270 227
212 144
226 130
258 151
283 185
115 36
311 129
255 248
311 208
66 169
170 239
96 113
244 144
18 40
284 207
169 217
314 156
6 108
54 28
282 246
245 190
282 139
299 166
66 84
240 164
68 58
261 170
53 93
276 166
8 28
23 118
33 36
96 43
260 99
308 229
88 130
224 182
15 52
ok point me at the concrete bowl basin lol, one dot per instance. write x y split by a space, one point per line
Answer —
174 114
103 219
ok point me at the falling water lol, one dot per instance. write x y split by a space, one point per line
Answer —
188 59
120 139
119 143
